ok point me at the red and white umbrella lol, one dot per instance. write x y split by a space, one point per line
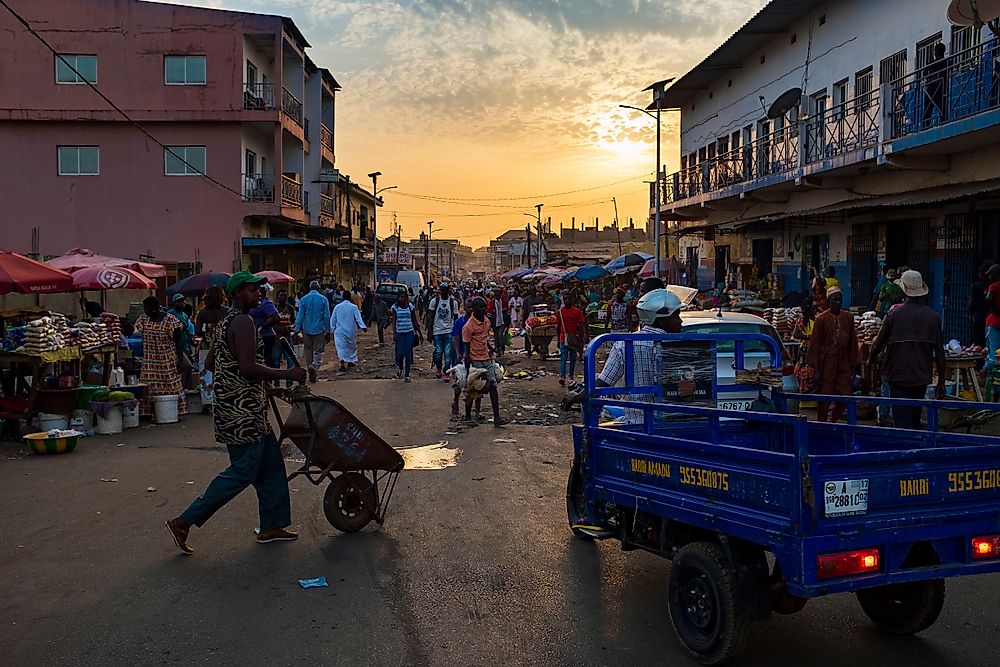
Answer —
276 277
110 277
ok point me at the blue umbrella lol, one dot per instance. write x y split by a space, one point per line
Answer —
633 261
197 284
586 273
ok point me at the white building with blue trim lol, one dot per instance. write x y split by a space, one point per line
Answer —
885 156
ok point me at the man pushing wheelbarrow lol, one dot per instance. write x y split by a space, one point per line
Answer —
239 375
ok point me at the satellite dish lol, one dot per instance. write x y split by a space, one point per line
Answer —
973 12
786 101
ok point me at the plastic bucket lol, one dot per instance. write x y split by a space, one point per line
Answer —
165 409
130 418
112 423
82 420
194 404
47 422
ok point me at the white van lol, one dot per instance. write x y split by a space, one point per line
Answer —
412 279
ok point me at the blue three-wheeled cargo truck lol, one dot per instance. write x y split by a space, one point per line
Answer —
759 510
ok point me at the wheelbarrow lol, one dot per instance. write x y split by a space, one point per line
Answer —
362 468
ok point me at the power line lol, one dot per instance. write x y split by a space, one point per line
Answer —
458 200
20 19
602 200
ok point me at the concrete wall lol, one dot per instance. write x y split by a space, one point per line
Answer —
131 208
130 40
856 34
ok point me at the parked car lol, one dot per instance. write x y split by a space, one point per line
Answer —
389 292
712 322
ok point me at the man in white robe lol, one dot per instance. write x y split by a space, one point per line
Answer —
345 322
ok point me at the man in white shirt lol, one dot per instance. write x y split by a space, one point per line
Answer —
443 311
345 322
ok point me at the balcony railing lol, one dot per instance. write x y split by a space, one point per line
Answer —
258 96
325 136
291 192
842 129
958 86
258 188
326 207
291 106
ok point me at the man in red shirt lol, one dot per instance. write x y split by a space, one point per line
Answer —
992 316
476 335
573 335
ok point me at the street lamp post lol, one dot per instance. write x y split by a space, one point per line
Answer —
659 93
375 193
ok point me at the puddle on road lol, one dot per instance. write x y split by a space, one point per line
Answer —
436 456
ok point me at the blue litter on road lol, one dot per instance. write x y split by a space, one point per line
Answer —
318 582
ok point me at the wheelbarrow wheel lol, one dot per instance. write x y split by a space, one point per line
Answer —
350 502
705 605
903 609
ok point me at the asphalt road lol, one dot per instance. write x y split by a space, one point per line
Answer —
474 565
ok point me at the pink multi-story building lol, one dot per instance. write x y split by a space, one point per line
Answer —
222 159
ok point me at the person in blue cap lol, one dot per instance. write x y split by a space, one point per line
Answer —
239 375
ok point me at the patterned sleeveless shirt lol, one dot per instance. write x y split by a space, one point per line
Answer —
240 404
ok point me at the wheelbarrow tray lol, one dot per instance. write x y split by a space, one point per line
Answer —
342 442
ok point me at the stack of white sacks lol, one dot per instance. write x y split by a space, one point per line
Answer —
43 336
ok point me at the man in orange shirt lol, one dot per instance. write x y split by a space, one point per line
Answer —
476 335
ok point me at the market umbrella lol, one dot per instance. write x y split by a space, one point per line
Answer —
587 273
26 276
197 284
633 261
110 277
82 258
276 277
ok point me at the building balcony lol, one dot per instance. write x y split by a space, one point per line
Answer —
258 188
935 105
259 96
326 207
325 136
291 192
291 106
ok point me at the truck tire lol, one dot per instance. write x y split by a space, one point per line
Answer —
703 598
903 609
575 510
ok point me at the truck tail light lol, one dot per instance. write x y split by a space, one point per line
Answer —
986 546
846 563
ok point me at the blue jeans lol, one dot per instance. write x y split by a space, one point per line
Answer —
884 410
259 464
404 351
444 355
566 352
992 343
278 355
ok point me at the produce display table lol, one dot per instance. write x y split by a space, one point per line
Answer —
964 367
58 400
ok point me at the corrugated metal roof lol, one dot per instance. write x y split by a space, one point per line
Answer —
773 20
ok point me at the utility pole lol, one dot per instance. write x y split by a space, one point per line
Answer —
374 176
427 253
528 244
538 207
350 224
618 228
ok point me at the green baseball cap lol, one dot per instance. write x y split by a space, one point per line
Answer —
241 278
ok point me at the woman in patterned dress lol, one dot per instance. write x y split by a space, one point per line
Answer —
161 333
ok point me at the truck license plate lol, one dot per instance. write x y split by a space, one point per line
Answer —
845 497
737 406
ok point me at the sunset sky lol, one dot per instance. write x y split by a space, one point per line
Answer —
507 102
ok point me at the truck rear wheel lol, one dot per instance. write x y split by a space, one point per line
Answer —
904 609
703 598
576 511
